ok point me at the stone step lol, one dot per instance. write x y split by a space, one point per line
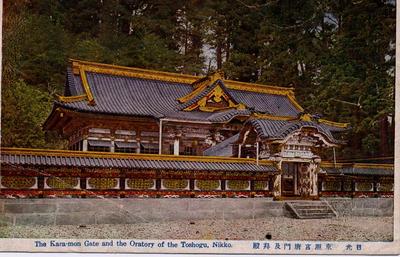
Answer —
308 203
325 216
314 212
311 209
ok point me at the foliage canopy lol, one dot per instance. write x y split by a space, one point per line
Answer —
338 54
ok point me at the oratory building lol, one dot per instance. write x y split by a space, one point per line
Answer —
143 133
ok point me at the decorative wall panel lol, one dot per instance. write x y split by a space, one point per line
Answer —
16 182
331 185
238 184
140 184
208 184
61 182
175 184
364 186
103 183
261 185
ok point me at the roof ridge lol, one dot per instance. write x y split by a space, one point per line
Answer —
356 165
304 117
172 77
160 157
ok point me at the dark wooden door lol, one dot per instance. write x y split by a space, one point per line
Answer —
289 178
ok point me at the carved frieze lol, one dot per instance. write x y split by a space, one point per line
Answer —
140 184
238 184
208 185
16 182
61 182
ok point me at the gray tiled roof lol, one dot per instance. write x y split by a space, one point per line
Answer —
142 97
359 171
125 144
99 143
227 115
86 161
225 148
279 129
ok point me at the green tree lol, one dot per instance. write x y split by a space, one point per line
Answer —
25 109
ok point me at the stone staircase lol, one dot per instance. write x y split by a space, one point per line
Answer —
311 209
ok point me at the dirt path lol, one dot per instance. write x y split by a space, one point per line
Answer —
281 228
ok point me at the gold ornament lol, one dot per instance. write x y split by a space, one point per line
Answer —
140 183
18 182
62 183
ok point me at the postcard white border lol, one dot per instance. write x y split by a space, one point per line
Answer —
245 246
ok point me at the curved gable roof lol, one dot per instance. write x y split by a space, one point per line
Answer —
119 92
279 129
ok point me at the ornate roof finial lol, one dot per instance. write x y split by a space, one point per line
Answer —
218 74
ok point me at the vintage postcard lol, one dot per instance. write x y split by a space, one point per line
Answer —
203 127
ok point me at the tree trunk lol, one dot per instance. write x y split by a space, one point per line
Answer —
383 130
219 55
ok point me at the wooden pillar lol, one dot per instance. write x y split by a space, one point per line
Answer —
138 146
320 181
375 184
160 138
40 183
176 146
342 184
223 184
240 150
270 183
257 150
112 148
158 184
353 187
85 145
82 181
122 183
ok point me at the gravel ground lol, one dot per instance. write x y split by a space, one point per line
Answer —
280 228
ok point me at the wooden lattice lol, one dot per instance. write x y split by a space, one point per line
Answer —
175 183
260 185
364 186
332 185
103 183
62 182
140 183
15 182
385 187
207 184
238 184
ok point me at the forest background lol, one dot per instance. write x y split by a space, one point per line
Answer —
339 55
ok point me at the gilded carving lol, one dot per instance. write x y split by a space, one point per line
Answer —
15 182
238 184
103 183
140 183
261 185
385 187
62 182
305 183
175 184
277 185
331 185
204 184
364 186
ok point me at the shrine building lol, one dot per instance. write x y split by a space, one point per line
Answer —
143 133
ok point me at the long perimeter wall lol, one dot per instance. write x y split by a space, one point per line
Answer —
59 211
